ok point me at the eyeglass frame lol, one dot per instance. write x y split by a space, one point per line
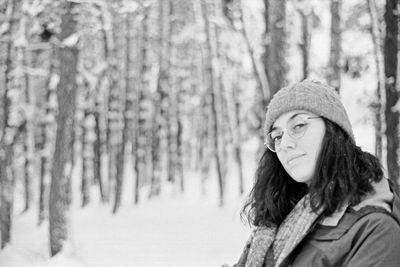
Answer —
266 143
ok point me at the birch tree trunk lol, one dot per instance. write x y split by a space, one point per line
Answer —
392 95
336 40
61 168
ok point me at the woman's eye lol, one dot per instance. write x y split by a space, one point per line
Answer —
298 126
277 138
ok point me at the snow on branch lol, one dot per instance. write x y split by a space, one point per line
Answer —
4 27
71 40
128 7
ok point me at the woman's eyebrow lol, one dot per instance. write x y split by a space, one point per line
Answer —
291 118
296 114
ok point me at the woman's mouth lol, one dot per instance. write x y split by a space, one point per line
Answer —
293 159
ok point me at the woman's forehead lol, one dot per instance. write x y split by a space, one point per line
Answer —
288 116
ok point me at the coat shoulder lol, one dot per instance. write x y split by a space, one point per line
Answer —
361 237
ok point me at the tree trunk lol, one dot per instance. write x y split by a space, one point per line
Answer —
97 148
61 168
274 56
114 118
336 40
259 73
275 47
392 95
7 191
7 136
237 136
46 144
179 145
28 134
228 11
140 135
225 134
305 40
175 25
158 101
380 72
98 144
210 80
128 109
86 151
204 139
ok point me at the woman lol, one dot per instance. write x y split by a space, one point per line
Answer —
318 199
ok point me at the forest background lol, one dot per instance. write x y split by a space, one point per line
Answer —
130 130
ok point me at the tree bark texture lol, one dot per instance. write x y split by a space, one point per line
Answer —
275 47
336 40
61 169
86 152
211 87
258 70
392 95
97 149
46 142
140 127
113 44
8 134
237 136
161 94
380 91
127 114
305 40
29 145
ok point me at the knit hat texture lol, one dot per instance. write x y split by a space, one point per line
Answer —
311 96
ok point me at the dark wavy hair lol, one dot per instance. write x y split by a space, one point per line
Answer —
344 174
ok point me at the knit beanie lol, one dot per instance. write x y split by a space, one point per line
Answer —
311 96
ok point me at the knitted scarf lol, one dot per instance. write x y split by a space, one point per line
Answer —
279 240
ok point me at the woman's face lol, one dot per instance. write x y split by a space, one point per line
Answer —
298 151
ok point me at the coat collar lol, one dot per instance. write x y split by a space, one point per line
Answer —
381 197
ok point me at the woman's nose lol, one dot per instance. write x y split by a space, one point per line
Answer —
287 142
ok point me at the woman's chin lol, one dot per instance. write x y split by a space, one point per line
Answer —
301 178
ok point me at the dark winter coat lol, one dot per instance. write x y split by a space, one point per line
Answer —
367 237
364 235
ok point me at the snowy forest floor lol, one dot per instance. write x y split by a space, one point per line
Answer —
165 232
173 229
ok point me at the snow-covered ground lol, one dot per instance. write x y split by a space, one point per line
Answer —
178 231
174 229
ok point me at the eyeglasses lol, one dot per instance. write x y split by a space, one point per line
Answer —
295 128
